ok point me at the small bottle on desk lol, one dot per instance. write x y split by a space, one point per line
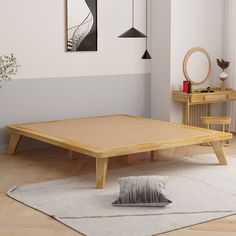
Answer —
185 86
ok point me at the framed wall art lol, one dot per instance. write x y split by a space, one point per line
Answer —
81 26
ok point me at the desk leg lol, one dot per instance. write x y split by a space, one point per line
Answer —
220 152
14 142
209 113
186 113
101 172
209 109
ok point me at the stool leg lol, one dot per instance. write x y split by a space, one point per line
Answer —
223 130
227 141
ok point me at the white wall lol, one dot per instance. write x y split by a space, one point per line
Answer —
194 23
161 51
230 54
34 30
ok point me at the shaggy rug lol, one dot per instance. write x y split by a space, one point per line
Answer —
201 190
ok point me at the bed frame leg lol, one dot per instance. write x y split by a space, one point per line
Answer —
155 155
127 159
220 152
72 155
14 142
101 172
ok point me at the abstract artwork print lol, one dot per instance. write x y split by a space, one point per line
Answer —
81 25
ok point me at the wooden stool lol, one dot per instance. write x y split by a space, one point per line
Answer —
208 121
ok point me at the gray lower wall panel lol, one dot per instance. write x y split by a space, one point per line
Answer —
33 100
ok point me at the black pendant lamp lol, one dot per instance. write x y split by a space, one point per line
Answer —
132 32
146 54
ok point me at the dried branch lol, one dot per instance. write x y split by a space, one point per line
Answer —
223 64
8 67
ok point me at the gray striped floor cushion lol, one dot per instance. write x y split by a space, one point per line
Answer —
143 191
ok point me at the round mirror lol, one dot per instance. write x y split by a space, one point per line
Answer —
197 66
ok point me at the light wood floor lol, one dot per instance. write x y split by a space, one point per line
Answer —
53 163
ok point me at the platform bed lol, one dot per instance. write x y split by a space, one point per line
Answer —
119 135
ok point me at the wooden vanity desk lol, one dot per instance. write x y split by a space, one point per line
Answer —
198 98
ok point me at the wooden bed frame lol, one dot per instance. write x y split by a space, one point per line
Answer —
108 136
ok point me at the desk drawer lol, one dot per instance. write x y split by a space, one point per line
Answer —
232 96
197 99
215 97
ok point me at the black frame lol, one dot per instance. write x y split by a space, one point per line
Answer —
90 41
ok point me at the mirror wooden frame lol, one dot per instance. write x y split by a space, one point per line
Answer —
186 60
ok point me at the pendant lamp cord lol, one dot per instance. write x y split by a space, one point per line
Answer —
132 13
146 22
